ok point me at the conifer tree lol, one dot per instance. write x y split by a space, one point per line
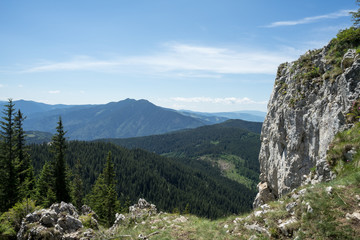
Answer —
45 186
8 177
103 197
62 190
356 15
78 186
24 167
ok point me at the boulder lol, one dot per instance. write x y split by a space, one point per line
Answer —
286 227
60 221
257 228
142 209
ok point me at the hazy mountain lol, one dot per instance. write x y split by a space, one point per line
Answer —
127 118
30 107
253 116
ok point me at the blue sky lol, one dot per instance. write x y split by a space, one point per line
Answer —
198 55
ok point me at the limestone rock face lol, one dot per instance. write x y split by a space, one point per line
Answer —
304 113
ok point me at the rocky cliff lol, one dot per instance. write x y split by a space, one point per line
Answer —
308 106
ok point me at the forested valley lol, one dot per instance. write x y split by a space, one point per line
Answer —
109 178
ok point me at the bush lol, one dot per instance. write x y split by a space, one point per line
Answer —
10 221
343 154
354 114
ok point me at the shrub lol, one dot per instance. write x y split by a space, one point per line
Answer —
354 114
89 221
10 221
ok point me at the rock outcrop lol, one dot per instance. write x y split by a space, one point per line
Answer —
307 108
60 221
137 213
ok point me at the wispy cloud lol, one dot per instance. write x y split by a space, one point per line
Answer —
227 100
181 59
54 92
338 14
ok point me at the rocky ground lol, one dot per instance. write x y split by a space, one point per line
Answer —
322 211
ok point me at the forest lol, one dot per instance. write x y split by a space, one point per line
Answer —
235 143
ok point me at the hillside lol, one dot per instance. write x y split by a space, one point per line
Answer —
167 183
232 146
36 137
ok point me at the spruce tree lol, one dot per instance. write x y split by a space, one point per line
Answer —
77 186
45 186
103 197
24 167
8 178
356 16
62 190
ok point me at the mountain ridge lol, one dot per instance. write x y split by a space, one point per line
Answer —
122 119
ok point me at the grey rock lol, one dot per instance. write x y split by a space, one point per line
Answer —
70 224
290 206
257 228
264 195
48 218
357 197
65 208
353 216
86 210
349 155
258 213
142 209
302 192
309 209
286 228
302 120
329 190
59 222
180 219
119 219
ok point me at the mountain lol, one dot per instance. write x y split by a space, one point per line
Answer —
232 146
253 116
29 108
127 118
123 119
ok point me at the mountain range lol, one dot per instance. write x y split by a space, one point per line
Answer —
123 119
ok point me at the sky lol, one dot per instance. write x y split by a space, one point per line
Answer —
200 55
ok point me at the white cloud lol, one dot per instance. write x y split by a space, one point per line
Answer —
227 100
181 59
54 92
1 85
20 86
338 14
